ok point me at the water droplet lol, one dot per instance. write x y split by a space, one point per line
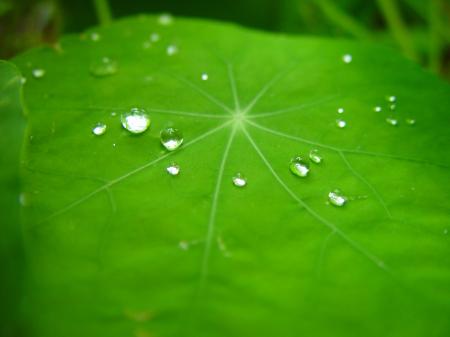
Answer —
154 37
38 73
336 198
103 67
171 138
135 121
184 245
392 121
377 109
410 121
113 113
391 99
392 107
99 129
340 110
23 80
340 123
315 156
172 50
347 58
445 231
239 180
95 36
205 76
299 167
165 19
146 45
173 169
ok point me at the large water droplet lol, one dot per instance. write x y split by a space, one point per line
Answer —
299 167
172 50
347 58
99 129
315 156
103 67
165 19
205 76
340 123
239 180
392 121
337 198
173 169
38 73
135 121
171 138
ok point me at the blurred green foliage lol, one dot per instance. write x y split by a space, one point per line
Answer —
419 28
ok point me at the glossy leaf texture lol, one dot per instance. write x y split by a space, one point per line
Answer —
116 246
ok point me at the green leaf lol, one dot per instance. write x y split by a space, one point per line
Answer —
11 250
116 246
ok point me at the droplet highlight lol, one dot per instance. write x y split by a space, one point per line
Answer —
337 198
173 169
392 121
104 67
136 120
315 156
410 121
239 180
171 138
340 110
347 58
377 109
172 50
204 77
99 129
38 73
340 123
299 167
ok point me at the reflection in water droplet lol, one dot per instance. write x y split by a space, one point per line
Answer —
392 121
347 58
165 19
172 50
410 121
239 180
299 167
38 73
173 169
103 67
340 110
99 129
315 156
377 109
136 121
340 123
205 76
171 138
336 198
154 37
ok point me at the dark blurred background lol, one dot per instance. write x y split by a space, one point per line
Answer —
417 28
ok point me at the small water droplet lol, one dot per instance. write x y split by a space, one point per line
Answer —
95 36
445 231
391 99
299 167
113 113
38 73
165 19
184 245
239 180
347 58
23 80
205 76
173 169
340 123
103 67
171 138
154 37
392 107
136 120
315 156
146 45
377 109
340 110
392 121
172 50
99 129
337 198
410 121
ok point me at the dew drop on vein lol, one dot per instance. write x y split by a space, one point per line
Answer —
173 169
38 73
337 198
239 180
136 120
171 138
299 167
104 67
315 156
99 129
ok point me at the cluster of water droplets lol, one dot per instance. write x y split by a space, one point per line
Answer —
392 118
